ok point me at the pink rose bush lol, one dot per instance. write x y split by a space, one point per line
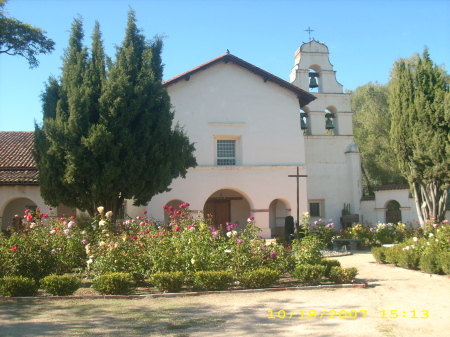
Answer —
48 244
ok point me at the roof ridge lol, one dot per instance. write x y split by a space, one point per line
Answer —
305 96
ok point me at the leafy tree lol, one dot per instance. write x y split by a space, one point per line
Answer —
22 39
371 124
419 106
108 134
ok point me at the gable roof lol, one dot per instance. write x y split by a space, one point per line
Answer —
304 97
17 165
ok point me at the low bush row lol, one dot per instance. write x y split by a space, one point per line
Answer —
122 283
429 252
331 269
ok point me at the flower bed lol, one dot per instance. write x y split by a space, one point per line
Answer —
142 247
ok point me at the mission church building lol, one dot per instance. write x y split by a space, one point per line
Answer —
265 147
252 130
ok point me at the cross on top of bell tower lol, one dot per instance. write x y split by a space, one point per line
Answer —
309 30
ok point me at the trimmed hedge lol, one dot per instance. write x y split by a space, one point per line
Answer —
309 273
212 280
18 286
168 282
259 278
60 285
341 275
329 264
113 284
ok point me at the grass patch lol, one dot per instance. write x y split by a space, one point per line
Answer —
190 323
104 317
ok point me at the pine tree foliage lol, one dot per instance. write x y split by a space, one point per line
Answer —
110 136
419 107
371 125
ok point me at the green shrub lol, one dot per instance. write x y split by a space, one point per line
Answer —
113 284
430 263
409 257
259 278
17 286
308 250
212 280
310 274
379 254
328 264
444 262
60 285
392 254
171 281
341 275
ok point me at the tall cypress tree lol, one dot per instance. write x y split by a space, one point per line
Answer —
63 107
420 131
116 138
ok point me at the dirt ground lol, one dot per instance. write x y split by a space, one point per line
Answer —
398 294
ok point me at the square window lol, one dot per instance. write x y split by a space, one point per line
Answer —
314 209
226 152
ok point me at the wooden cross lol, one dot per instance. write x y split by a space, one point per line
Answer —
309 30
298 194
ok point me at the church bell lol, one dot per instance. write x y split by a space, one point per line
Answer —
313 82
329 124
303 124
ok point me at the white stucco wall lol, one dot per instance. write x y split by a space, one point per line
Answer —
332 177
229 100
224 101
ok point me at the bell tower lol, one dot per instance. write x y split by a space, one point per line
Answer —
334 172
331 113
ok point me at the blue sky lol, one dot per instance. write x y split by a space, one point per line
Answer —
364 38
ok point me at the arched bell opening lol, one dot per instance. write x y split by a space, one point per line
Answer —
330 115
304 120
314 78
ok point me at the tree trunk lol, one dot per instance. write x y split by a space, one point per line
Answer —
431 201
108 205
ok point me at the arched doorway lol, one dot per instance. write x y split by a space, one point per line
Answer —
16 207
393 212
277 215
227 205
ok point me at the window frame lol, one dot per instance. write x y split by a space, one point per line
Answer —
237 154
321 205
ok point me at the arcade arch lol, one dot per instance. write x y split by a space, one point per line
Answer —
15 207
227 205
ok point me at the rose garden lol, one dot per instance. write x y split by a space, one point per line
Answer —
56 256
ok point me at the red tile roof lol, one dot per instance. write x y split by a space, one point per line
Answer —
367 198
19 177
304 97
17 165
392 187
